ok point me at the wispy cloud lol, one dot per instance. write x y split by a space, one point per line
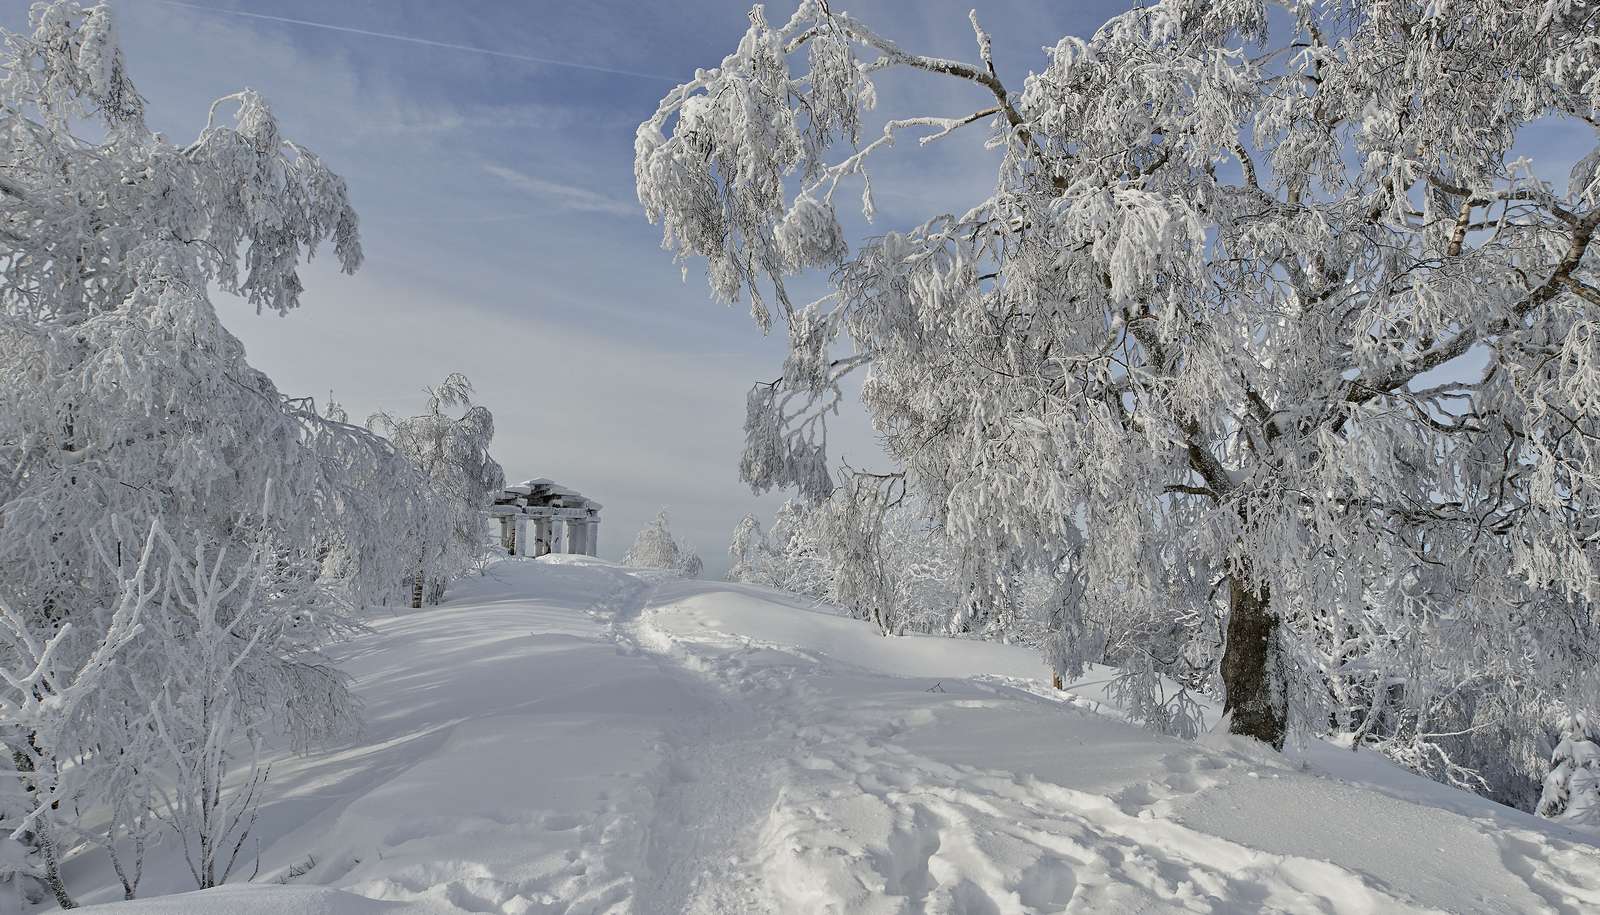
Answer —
428 42
490 119
563 196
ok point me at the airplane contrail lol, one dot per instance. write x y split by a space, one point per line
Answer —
428 42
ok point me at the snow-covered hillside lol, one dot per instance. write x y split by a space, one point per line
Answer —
570 736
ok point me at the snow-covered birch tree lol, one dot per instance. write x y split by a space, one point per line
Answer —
126 407
458 477
219 696
1267 310
121 394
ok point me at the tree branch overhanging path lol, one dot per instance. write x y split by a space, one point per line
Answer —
1266 317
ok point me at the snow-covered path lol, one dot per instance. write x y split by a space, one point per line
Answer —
572 737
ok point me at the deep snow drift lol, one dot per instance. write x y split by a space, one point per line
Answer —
569 736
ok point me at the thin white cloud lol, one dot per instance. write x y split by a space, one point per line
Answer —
428 42
488 119
563 196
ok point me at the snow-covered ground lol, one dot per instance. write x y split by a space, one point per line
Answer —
569 736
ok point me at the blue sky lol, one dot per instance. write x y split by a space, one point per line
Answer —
502 234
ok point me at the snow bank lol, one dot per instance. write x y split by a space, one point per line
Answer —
568 736
746 614
251 899
975 788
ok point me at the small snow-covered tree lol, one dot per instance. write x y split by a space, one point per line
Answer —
48 702
787 558
1572 788
655 548
749 552
691 565
22 877
1267 311
212 636
460 476
799 564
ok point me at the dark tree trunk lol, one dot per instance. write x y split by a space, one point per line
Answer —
1252 671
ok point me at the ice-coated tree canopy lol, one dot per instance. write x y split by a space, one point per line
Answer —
1266 307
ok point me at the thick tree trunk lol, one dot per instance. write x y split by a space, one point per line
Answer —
1252 671
416 591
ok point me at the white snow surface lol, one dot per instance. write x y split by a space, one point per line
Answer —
570 736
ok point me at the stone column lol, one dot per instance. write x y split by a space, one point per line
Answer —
592 537
520 536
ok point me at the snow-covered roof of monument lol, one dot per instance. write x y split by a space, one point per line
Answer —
541 493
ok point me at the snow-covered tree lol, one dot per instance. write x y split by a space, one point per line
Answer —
691 565
122 392
1572 788
1267 311
799 564
219 697
654 548
126 407
459 478
786 558
49 689
749 552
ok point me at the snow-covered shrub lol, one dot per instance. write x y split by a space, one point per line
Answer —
22 878
201 661
691 565
789 557
917 580
1572 789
